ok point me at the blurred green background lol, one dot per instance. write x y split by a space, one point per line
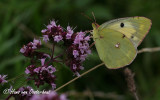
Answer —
20 20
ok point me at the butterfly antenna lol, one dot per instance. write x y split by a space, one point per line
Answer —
94 17
87 17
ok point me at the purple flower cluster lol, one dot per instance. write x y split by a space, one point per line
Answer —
80 50
28 93
29 49
2 79
41 74
53 32
24 93
52 96
77 44
77 52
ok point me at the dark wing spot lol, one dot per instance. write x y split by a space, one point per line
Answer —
122 25
123 36
132 36
101 36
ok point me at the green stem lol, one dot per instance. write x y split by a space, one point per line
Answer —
79 76
19 76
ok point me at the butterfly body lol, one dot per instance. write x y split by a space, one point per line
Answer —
116 41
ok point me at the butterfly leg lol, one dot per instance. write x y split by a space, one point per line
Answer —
92 44
88 31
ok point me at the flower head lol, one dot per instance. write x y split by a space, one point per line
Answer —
45 38
2 79
23 93
41 74
29 49
53 32
69 32
51 96
80 50
75 53
58 38
26 89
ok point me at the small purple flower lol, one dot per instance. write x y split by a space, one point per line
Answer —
36 97
23 49
43 69
81 67
44 31
53 23
63 97
45 38
75 53
69 29
10 89
69 32
49 27
79 37
74 67
51 96
27 71
85 46
43 58
53 85
88 51
87 38
82 51
68 36
51 69
36 43
77 74
46 55
36 70
83 57
43 61
2 79
58 38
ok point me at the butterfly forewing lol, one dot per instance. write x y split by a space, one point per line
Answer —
135 28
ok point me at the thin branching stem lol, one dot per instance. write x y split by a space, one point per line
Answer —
17 77
52 51
58 60
79 76
155 49
129 75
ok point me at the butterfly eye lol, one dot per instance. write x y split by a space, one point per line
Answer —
122 25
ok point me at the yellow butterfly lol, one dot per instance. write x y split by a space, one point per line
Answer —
117 40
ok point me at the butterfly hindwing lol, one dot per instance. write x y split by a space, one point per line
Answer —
135 28
113 48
